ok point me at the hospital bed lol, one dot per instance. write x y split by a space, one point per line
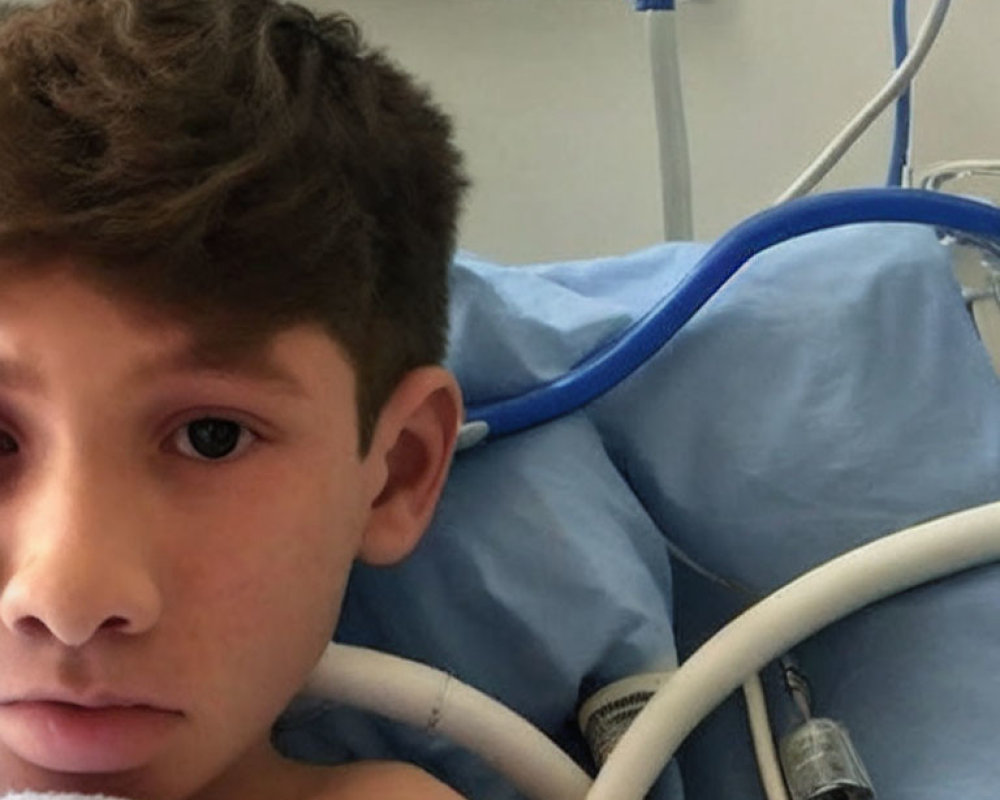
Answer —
834 390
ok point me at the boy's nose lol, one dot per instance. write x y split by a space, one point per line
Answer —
79 568
72 596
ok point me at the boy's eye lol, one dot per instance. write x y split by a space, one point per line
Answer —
212 438
8 444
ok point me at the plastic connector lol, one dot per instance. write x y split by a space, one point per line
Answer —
820 763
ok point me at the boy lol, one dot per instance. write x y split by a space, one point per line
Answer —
225 227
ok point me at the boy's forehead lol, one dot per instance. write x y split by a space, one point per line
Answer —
278 355
271 366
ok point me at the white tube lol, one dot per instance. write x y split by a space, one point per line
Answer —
879 569
432 700
768 766
937 174
897 84
675 162
985 305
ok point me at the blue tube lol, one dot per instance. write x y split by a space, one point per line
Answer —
654 5
901 132
605 369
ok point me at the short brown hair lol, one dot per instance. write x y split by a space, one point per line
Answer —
242 165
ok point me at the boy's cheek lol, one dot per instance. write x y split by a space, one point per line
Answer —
260 618
282 574
282 564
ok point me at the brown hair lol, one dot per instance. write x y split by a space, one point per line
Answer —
242 165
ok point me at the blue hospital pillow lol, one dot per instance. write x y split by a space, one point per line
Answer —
833 391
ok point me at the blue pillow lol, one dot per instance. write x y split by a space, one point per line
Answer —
832 392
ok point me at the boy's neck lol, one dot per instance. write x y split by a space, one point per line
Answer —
262 773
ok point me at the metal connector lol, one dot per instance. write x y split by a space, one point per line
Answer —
820 763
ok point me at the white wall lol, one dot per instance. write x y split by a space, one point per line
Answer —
768 83
553 105
554 111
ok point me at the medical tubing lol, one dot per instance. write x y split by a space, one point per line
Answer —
432 700
897 84
827 593
671 128
771 777
796 685
900 157
606 368
937 174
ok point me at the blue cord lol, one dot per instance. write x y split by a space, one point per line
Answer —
607 368
654 5
901 134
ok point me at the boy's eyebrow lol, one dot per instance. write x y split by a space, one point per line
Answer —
23 375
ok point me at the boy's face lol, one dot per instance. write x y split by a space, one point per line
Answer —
165 582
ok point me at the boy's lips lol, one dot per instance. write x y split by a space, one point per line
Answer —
90 699
96 733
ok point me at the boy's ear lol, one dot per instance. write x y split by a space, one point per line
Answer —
408 461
